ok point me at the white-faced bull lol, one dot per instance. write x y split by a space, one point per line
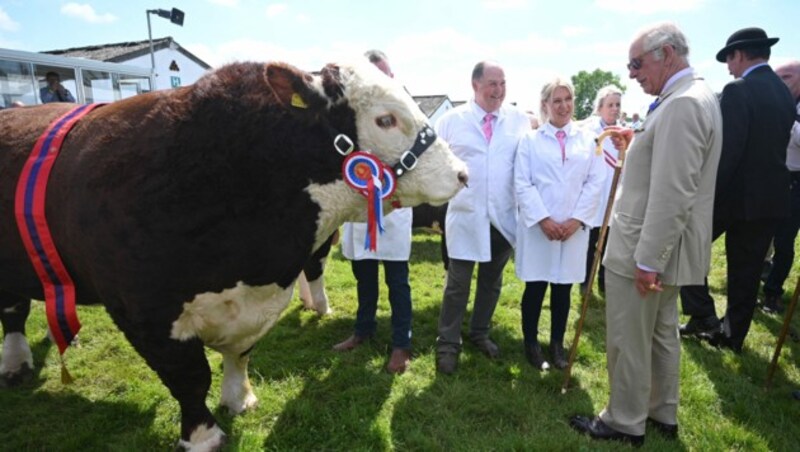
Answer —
190 213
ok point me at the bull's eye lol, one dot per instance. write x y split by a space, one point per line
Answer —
386 121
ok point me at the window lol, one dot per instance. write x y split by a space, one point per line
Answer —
16 83
65 75
131 85
98 86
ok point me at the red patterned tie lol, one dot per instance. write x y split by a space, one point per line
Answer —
487 127
562 140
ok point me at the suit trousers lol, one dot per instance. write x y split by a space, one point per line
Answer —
457 290
643 353
784 244
396 278
746 244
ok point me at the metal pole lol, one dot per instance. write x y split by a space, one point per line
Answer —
150 37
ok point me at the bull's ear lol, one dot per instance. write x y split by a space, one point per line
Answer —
332 82
293 87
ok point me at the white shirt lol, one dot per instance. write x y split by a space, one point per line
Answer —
549 184
793 151
489 199
393 245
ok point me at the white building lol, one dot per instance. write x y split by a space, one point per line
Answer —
174 65
434 106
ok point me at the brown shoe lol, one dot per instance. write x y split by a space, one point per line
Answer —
350 343
399 361
446 362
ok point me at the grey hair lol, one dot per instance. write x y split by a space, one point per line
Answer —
547 93
375 56
604 92
666 33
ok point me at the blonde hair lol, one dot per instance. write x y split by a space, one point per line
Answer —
547 93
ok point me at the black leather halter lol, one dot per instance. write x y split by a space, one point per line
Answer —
425 138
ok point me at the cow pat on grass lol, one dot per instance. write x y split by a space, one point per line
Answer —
189 213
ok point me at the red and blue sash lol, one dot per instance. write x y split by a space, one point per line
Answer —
29 208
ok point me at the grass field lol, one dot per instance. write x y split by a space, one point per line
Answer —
312 398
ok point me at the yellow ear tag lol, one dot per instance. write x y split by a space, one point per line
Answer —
298 101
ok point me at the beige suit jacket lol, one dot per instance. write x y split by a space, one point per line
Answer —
663 214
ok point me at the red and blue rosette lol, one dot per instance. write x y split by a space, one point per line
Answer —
375 181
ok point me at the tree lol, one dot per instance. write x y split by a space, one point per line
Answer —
586 87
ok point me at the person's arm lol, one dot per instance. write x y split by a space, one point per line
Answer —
735 119
680 148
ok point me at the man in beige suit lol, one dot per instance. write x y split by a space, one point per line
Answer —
660 238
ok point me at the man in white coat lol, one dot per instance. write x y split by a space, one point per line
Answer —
480 220
394 249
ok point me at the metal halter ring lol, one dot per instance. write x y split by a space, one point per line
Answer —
343 144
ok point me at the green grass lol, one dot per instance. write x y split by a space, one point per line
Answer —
312 398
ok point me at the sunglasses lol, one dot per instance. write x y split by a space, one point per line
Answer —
636 63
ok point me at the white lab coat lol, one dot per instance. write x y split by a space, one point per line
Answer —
489 198
393 245
546 187
610 155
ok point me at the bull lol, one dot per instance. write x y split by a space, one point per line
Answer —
189 213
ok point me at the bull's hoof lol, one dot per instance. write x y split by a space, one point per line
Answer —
204 439
17 378
241 405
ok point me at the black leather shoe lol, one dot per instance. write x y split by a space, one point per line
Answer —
534 355
772 305
702 327
669 431
446 362
719 340
596 429
558 356
487 347
796 395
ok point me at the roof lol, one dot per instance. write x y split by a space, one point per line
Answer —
456 103
429 104
125 51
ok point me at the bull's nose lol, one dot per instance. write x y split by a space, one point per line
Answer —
463 177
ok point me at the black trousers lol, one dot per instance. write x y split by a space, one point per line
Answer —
746 243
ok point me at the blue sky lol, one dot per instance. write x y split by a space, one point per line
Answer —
432 44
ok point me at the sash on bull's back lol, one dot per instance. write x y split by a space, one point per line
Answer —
29 209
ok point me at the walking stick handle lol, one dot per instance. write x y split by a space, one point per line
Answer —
784 331
626 135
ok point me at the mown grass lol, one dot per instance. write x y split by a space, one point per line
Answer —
312 398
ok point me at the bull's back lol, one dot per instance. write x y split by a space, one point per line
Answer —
19 130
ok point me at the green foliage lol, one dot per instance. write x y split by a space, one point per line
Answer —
312 398
586 87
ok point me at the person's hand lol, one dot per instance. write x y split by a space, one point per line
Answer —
620 136
569 227
647 282
551 229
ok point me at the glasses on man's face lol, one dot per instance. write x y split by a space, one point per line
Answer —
636 63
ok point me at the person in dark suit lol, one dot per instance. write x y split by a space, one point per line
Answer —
752 188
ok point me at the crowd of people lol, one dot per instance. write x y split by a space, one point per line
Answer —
700 164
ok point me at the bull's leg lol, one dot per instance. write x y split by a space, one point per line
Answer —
237 394
183 368
314 271
16 363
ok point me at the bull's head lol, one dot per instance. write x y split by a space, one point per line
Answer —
388 124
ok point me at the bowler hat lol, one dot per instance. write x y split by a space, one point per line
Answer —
746 37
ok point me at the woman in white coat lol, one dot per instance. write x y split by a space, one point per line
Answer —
557 180
394 249
608 104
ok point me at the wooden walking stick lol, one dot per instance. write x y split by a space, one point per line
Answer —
784 331
625 135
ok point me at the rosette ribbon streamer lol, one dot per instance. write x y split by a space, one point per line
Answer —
375 181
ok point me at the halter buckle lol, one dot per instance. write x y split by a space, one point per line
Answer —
343 144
